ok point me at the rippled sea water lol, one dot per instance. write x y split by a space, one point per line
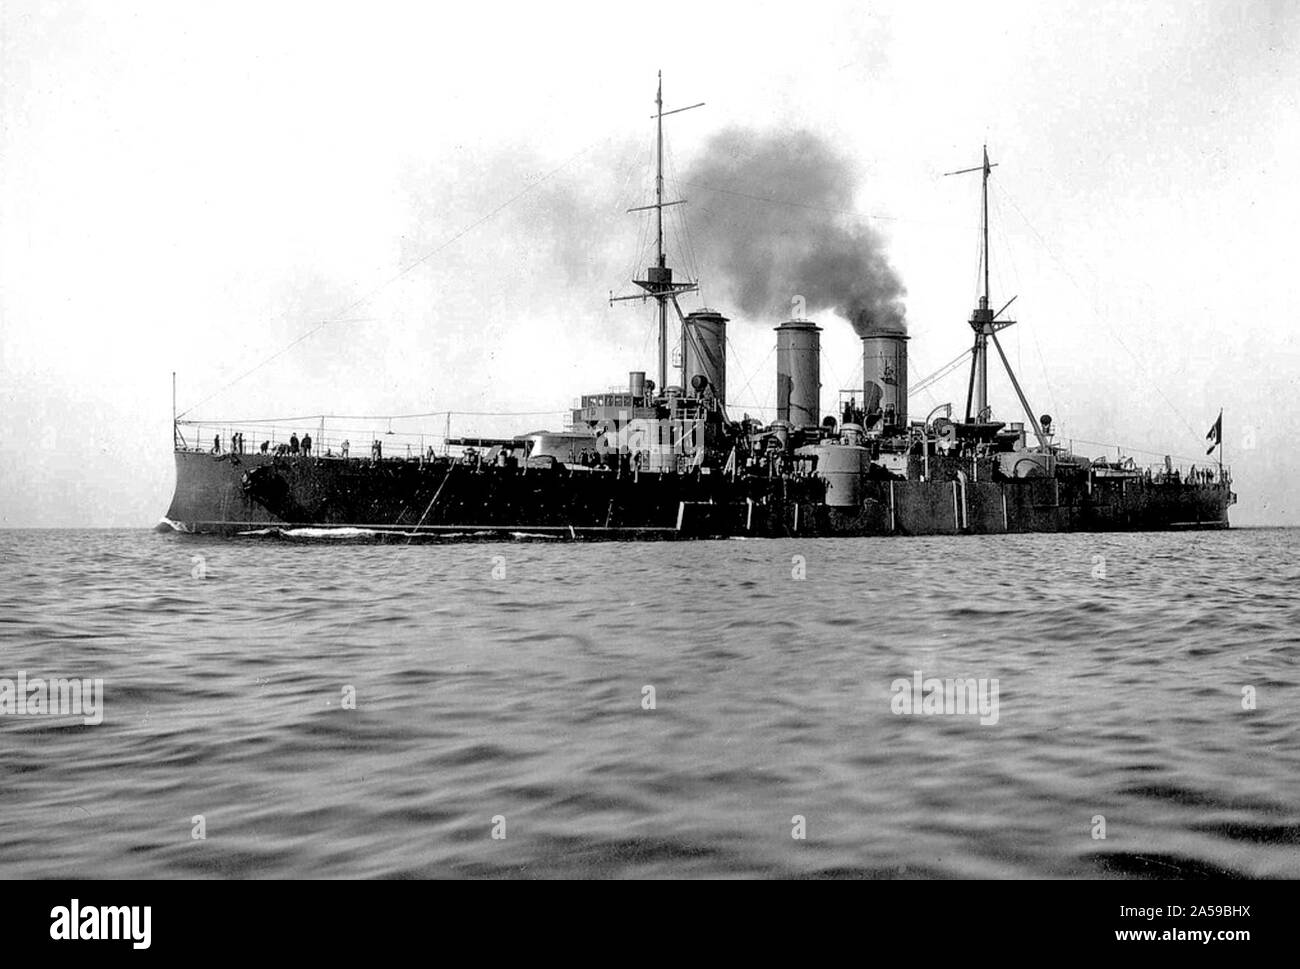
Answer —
505 681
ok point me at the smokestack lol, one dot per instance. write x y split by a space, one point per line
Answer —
884 377
704 350
798 373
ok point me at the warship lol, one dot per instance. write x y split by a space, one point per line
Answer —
666 458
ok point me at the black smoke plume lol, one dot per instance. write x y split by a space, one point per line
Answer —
775 212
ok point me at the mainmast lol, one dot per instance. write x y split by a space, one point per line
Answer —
661 261
658 283
984 198
981 320
986 324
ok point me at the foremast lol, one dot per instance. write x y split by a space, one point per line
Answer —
658 283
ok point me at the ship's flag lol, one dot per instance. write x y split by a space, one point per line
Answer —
1215 435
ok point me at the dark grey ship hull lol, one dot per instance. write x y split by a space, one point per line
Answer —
233 494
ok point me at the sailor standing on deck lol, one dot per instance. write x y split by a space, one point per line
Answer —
306 444
293 443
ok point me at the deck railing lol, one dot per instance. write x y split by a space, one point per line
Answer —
336 438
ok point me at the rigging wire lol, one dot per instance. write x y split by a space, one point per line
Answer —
1136 450
822 208
641 256
1009 250
747 406
796 205
735 358
927 382
686 244
758 371
921 386
651 332
1106 323
360 301
826 361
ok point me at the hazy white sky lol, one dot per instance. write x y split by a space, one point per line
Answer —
191 186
